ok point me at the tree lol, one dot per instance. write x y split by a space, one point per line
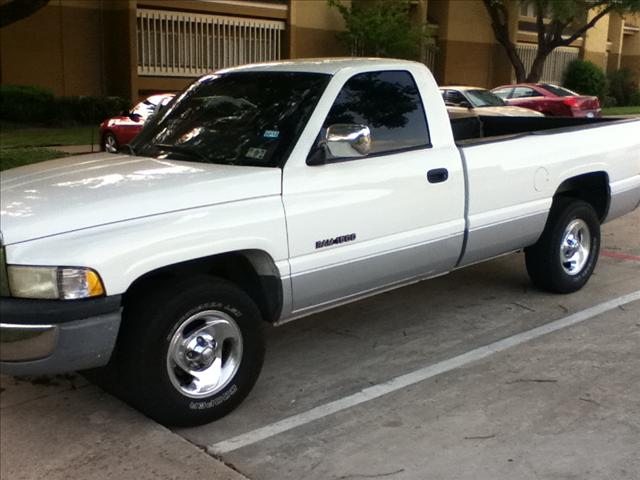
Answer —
14 10
381 28
558 23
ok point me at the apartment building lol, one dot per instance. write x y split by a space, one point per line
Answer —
134 47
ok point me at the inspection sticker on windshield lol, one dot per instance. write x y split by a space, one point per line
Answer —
257 153
271 134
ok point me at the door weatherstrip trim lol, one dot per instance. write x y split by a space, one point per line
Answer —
465 175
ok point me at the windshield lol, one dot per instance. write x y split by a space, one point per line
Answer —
559 91
483 98
148 106
243 118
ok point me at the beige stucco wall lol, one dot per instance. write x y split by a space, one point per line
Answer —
467 51
594 48
87 47
615 37
630 52
312 29
59 47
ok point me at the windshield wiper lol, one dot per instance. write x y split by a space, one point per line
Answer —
182 150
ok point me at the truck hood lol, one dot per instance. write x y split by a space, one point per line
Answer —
89 190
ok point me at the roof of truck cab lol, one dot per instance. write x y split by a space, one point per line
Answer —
322 65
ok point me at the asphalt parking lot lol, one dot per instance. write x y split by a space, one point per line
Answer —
433 381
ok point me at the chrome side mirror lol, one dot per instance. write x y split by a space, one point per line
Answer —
341 140
345 140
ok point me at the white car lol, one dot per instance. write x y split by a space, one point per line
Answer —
269 192
461 101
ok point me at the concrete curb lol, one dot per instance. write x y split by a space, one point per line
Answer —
56 428
75 149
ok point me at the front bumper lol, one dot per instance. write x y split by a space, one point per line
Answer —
44 337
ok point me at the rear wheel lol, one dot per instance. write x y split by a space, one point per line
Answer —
191 352
566 254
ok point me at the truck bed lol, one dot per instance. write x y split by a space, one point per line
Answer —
482 129
515 166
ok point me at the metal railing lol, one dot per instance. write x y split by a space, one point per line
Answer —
430 59
191 44
556 63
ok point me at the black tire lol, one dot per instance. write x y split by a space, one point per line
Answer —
110 143
544 262
149 324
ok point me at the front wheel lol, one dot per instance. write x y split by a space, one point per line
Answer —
110 143
566 254
192 351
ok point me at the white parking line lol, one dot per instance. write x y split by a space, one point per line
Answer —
411 378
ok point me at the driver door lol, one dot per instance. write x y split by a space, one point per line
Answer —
358 225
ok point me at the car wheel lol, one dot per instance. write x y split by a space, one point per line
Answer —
566 254
190 352
110 143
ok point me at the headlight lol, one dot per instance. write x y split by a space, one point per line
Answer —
61 283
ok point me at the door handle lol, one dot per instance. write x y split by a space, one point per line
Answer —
438 175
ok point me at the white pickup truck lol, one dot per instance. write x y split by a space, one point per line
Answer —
269 192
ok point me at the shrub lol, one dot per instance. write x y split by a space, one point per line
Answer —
85 110
622 86
20 103
634 100
381 28
35 105
586 78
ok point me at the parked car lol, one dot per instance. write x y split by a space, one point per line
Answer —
120 130
270 192
461 101
550 99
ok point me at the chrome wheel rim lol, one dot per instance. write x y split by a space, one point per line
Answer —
204 354
110 144
575 247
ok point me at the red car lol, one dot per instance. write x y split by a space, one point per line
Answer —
118 131
549 99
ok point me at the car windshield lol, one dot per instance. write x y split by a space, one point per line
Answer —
559 91
483 98
239 118
148 106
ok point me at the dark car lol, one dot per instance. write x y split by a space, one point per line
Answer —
120 130
549 99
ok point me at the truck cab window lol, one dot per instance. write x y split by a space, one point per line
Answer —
389 104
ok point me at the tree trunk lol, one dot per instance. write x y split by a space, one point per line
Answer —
537 67
500 24
521 74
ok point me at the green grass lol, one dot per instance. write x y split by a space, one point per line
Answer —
12 135
22 145
16 157
621 111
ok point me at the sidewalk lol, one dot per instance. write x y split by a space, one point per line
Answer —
63 428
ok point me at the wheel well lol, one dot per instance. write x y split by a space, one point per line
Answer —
251 270
592 188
